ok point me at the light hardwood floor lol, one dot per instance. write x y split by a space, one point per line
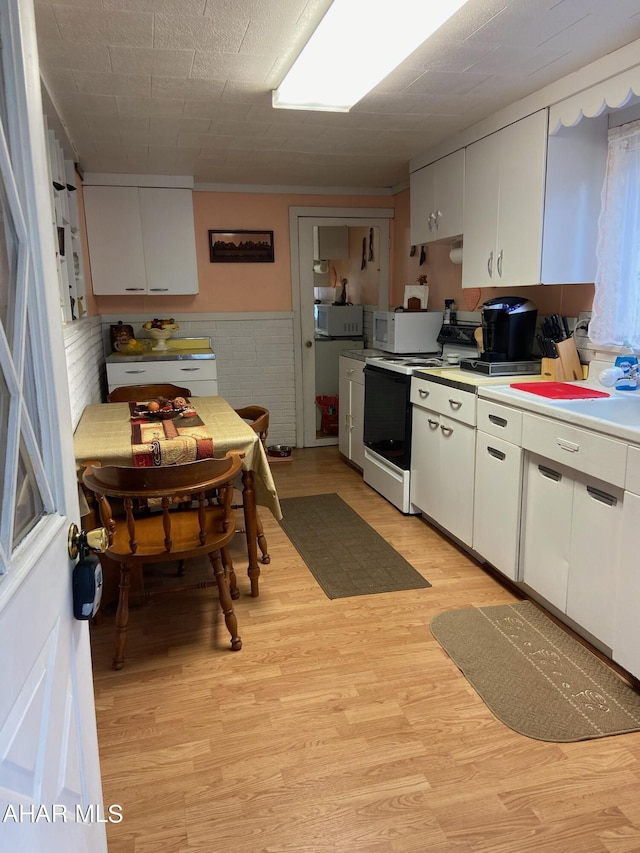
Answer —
341 726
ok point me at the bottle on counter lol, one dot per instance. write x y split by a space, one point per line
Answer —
625 361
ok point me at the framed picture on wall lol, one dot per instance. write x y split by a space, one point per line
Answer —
240 247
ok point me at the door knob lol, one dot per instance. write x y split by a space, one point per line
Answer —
93 540
308 344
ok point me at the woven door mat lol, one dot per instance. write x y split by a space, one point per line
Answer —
345 555
534 676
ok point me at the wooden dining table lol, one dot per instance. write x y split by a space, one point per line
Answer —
104 434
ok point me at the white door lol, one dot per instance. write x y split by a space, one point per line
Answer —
301 236
50 792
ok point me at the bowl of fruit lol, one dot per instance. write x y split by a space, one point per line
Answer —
160 331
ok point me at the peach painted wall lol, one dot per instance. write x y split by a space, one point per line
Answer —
238 287
267 287
362 284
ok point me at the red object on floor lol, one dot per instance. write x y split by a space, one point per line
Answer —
559 390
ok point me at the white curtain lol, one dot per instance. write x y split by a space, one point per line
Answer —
616 305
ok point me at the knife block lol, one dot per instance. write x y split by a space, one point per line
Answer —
566 367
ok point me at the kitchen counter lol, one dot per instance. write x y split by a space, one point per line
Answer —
361 354
178 349
469 380
623 423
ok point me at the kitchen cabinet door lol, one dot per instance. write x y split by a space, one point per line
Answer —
168 239
481 177
425 467
436 200
545 546
114 234
626 624
351 396
595 547
496 503
504 205
456 462
523 147
141 240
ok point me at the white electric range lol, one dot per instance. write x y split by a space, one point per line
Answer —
387 410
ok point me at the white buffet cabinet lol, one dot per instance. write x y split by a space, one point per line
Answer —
548 497
190 363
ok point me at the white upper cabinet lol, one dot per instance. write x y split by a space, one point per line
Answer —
437 193
504 204
141 240
531 204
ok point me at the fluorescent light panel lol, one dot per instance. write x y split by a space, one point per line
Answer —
355 46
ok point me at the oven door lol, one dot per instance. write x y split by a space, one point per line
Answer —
387 415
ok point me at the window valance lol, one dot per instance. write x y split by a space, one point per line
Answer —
618 91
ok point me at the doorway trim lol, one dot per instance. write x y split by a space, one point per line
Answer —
295 215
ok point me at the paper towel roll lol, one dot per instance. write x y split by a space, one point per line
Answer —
455 255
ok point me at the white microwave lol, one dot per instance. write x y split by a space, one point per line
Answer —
338 321
407 331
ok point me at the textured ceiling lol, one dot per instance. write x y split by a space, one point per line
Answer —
183 87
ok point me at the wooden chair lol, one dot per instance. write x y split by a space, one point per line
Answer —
170 532
258 419
133 393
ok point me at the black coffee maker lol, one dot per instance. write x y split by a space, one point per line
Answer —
508 328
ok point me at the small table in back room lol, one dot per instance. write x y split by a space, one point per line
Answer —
104 435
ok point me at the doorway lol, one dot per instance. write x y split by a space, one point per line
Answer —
308 362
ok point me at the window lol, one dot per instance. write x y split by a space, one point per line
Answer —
616 305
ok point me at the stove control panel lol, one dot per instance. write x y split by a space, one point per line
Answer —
461 334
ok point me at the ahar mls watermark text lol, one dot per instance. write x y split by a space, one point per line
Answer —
59 813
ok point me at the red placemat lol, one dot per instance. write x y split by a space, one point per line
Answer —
170 441
559 390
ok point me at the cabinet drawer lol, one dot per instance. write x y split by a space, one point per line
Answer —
500 421
459 405
576 448
352 369
184 372
632 482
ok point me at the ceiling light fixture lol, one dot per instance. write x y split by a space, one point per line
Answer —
354 47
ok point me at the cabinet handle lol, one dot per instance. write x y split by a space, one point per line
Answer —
570 446
549 473
433 424
490 264
135 371
446 430
158 289
498 421
137 289
455 404
423 393
601 496
437 216
499 264
189 369
497 454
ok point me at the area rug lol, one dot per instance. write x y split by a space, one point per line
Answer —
345 555
534 676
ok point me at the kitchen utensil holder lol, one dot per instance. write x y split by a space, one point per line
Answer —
566 367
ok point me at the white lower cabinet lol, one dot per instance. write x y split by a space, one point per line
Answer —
443 455
496 502
199 375
351 398
571 531
626 630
